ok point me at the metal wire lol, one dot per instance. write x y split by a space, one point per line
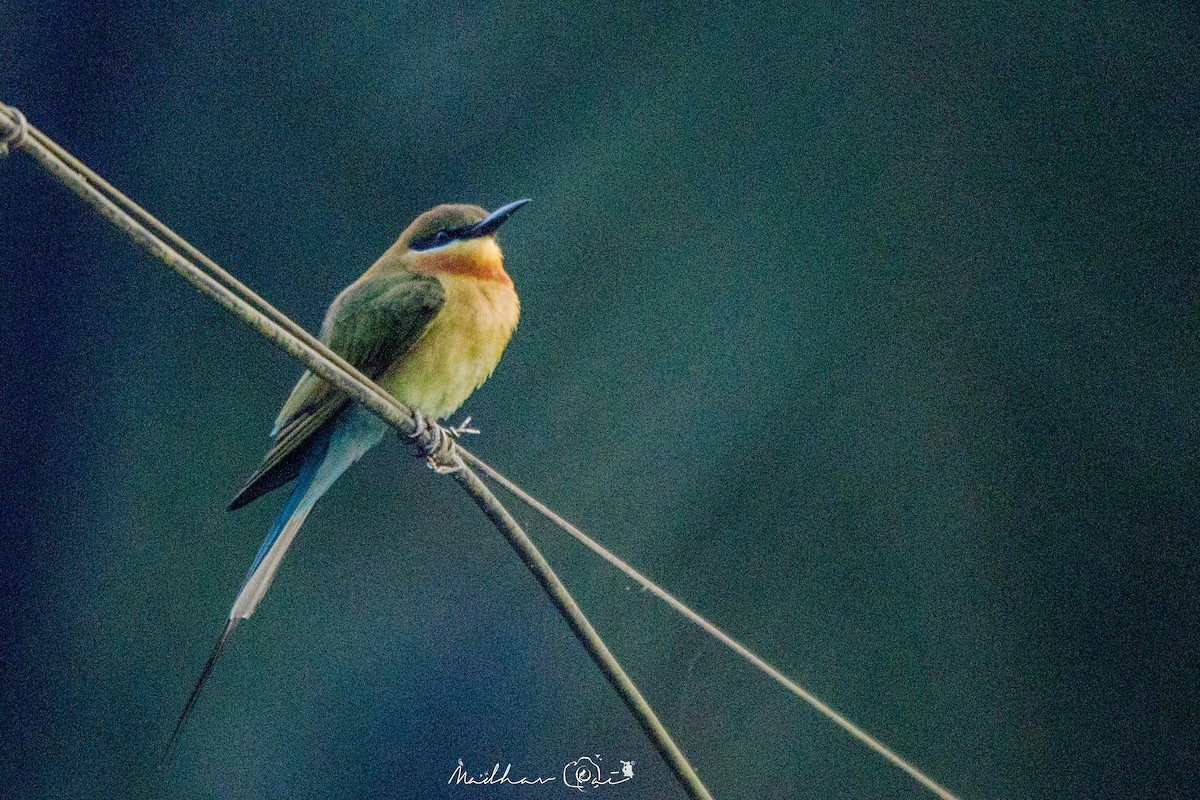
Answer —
256 314
15 132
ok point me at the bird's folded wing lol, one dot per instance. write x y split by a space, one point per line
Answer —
372 325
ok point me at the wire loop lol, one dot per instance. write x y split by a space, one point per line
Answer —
14 129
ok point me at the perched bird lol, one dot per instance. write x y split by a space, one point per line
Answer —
427 322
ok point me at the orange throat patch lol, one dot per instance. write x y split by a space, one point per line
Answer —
473 258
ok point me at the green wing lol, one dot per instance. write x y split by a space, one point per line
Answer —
372 324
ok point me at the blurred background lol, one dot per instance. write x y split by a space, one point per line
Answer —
870 333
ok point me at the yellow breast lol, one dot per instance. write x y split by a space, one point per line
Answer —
459 349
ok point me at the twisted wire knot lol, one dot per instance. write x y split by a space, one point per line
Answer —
14 129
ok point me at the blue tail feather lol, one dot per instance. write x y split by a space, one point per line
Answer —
308 472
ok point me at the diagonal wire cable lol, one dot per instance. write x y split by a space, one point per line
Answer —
16 132
711 629
17 125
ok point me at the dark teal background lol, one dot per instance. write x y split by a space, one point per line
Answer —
871 333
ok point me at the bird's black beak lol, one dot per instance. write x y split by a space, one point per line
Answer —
494 220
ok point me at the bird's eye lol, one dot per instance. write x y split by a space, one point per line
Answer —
441 237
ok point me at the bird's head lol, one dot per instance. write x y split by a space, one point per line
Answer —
456 239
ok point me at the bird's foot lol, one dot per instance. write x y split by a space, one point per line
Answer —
432 436
422 428
437 445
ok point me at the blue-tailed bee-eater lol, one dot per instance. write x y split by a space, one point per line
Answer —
427 322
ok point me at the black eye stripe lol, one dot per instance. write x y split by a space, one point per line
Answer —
438 237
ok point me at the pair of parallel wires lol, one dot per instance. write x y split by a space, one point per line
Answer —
447 455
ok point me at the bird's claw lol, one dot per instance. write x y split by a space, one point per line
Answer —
423 428
437 446
420 426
